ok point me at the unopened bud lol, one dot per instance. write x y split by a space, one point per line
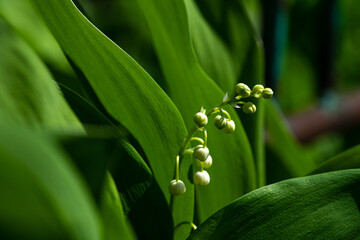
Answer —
257 90
201 178
267 93
220 122
249 108
230 127
206 164
242 90
200 119
177 187
201 153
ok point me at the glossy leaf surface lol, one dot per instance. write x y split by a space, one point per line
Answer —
324 206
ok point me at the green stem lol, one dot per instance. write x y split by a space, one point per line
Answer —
205 138
183 223
197 139
177 168
186 142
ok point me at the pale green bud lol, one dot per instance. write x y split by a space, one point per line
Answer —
201 153
242 90
220 122
257 90
177 187
230 127
206 164
201 178
267 93
200 119
249 108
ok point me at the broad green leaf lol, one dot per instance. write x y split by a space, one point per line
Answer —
213 55
113 214
28 94
346 160
232 173
284 145
324 206
127 92
42 195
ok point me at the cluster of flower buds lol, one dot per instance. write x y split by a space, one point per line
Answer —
223 122
243 91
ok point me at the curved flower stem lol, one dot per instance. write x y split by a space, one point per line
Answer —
197 139
183 223
205 137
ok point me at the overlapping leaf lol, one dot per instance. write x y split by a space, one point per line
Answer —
127 92
113 214
213 55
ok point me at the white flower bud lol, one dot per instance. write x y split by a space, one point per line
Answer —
206 164
201 153
220 122
267 93
249 108
257 90
243 90
200 119
230 127
177 187
201 178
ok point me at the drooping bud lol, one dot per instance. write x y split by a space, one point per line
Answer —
249 108
220 122
201 178
177 187
201 153
242 90
257 90
200 119
206 164
230 126
267 93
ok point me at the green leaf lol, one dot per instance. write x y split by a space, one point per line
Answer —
232 173
91 155
287 149
42 195
127 92
345 160
143 202
113 214
213 55
28 95
324 206
22 18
